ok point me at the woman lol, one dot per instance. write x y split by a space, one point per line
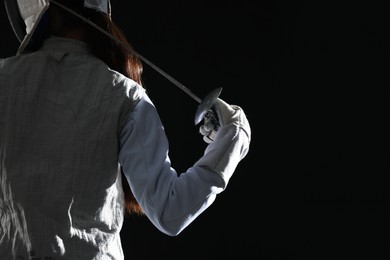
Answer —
78 131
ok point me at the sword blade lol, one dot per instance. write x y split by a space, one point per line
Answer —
127 46
170 78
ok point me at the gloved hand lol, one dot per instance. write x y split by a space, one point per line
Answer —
220 115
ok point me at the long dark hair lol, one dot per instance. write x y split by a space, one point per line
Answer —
117 57
114 55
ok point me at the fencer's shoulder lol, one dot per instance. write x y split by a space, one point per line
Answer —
6 63
7 59
127 86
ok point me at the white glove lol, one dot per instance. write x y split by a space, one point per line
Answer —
225 114
228 139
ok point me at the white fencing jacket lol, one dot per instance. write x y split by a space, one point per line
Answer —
67 125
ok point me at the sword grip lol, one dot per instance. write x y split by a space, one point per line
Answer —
212 117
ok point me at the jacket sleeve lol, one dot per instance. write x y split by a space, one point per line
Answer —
170 200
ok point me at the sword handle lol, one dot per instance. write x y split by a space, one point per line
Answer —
212 116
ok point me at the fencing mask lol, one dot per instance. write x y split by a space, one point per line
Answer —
28 18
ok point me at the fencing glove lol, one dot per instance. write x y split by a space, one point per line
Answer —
220 115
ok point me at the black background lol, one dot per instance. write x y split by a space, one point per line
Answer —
313 80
